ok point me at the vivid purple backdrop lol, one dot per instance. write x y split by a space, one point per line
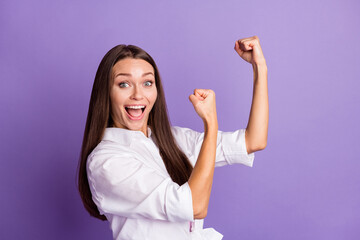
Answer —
304 185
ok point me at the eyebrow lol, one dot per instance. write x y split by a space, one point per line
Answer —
129 75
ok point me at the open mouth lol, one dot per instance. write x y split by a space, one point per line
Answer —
135 112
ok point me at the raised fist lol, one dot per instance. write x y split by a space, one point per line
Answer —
204 104
249 49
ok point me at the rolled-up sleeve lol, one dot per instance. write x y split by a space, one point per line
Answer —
234 148
125 186
230 149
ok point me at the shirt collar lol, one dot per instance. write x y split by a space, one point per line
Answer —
124 136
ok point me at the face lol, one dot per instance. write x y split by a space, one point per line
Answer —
132 94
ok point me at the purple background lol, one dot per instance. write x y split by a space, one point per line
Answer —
304 185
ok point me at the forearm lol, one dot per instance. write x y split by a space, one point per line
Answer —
201 178
257 128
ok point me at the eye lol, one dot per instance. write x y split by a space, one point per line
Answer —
123 84
148 83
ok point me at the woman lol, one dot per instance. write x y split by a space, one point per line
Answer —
148 179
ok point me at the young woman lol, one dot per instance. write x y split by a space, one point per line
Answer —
151 180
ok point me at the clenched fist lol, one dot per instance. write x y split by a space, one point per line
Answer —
204 104
249 49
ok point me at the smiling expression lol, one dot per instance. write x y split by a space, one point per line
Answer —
132 94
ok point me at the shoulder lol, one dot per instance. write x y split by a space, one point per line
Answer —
107 151
109 148
184 132
186 138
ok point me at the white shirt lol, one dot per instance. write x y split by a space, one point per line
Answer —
132 188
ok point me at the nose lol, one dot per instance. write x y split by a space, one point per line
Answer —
137 93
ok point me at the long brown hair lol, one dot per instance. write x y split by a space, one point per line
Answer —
99 117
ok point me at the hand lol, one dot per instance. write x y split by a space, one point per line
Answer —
249 49
204 104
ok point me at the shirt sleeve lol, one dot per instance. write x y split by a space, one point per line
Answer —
230 149
125 186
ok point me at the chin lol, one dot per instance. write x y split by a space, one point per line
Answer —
136 126
132 125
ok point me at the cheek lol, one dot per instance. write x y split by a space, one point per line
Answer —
154 96
151 97
117 102
115 111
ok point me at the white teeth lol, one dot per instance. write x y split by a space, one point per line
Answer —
136 107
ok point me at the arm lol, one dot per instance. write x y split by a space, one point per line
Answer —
201 178
256 131
123 184
230 149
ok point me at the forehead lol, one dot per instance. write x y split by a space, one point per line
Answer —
132 66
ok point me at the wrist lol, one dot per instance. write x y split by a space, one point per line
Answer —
210 125
260 73
260 66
